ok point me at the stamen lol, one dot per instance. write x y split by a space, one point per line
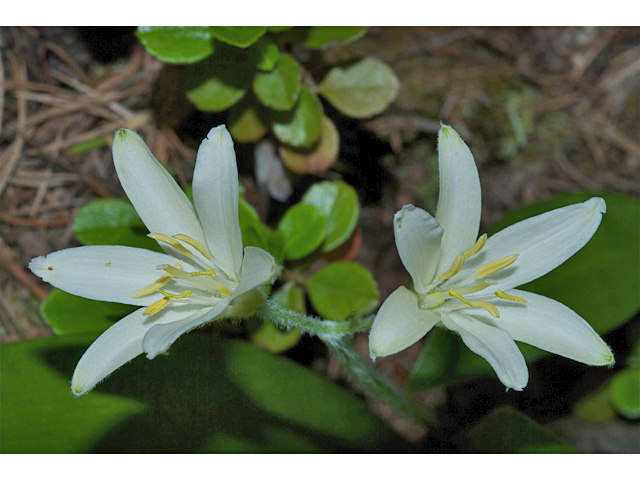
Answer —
479 245
159 283
486 305
455 294
170 241
475 288
185 294
209 272
200 283
506 296
495 266
489 307
156 306
453 269
195 244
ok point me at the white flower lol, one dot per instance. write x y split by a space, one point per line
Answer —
468 285
204 275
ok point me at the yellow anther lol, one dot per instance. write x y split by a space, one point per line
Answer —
489 307
479 245
209 272
156 306
475 288
455 294
486 305
506 296
159 283
195 244
210 282
495 266
171 241
453 269
185 294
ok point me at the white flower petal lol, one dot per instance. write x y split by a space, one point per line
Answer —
418 237
119 344
215 194
258 268
161 204
110 273
494 345
399 323
459 204
161 336
543 242
551 326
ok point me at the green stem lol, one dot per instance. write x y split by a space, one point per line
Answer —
334 335
282 317
369 378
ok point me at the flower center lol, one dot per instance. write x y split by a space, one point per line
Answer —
452 293
207 290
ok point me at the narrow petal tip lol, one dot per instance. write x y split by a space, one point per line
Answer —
596 205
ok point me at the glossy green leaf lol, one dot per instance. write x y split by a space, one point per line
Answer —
607 267
214 95
320 36
625 393
206 395
361 90
111 221
338 203
342 288
178 45
245 122
279 88
304 230
238 36
266 54
506 430
300 127
221 80
66 313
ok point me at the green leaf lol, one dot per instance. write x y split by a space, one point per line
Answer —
111 221
300 127
266 54
318 158
361 90
278 29
245 122
207 395
304 230
342 288
238 36
214 95
178 45
338 203
279 88
625 393
221 80
435 362
595 407
66 313
320 36
607 267
506 430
